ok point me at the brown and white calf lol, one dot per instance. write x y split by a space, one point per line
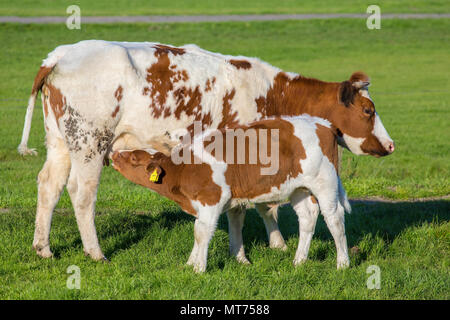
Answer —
306 150
100 96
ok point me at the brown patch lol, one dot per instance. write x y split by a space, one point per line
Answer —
328 144
40 78
241 64
246 180
209 84
57 101
115 111
44 102
161 75
164 49
228 118
313 199
187 100
119 93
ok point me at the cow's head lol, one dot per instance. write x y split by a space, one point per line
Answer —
359 127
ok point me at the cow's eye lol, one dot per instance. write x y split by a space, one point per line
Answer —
368 111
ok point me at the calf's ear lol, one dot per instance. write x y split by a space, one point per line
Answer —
155 171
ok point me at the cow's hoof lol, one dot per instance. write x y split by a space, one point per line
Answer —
98 256
299 261
43 252
242 259
199 268
279 246
343 263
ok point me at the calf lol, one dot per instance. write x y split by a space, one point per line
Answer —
307 159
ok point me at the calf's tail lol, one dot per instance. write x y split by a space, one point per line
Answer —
343 197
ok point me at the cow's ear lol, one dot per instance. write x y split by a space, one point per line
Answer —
360 80
347 93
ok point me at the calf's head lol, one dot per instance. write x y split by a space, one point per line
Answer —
138 165
359 126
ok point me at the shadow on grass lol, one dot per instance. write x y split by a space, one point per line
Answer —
373 218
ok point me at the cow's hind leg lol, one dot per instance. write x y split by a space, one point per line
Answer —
83 183
51 181
270 216
307 212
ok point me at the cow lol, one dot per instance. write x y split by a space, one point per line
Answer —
100 96
307 153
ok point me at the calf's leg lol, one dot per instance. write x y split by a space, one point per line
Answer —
204 228
307 211
270 216
333 212
236 217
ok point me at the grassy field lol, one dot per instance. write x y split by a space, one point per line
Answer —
148 239
192 7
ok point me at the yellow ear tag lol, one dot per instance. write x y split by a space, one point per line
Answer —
154 176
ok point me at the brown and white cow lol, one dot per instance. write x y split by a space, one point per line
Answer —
306 150
100 96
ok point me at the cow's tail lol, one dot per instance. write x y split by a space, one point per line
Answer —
47 66
343 197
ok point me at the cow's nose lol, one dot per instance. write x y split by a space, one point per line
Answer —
390 147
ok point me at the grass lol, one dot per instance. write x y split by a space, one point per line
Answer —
193 7
408 241
148 239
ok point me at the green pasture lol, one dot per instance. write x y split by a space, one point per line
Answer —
208 7
148 239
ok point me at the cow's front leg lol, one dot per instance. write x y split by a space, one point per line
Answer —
270 217
307 210
83 183
236 217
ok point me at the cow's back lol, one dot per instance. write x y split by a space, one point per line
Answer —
146 91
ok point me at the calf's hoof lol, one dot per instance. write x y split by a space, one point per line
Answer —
278 244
